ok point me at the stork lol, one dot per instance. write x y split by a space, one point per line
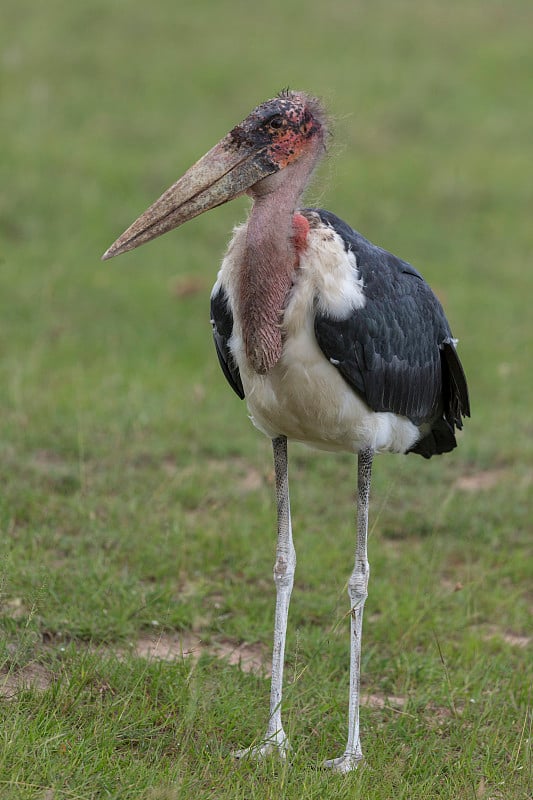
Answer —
331 340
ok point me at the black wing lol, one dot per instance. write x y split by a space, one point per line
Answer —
222 322
397 351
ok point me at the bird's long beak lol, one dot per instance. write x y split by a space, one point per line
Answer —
227 170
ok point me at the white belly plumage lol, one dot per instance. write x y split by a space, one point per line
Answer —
304 397
307 400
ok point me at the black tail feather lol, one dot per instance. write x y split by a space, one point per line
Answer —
440 439
455 406
455 390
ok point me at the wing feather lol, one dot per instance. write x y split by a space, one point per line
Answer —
397 351
222 322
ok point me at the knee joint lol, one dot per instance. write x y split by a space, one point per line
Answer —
284 569
358 581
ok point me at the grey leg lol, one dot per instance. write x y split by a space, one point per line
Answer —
275 737
357 592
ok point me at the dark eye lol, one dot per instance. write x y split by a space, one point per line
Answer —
276 122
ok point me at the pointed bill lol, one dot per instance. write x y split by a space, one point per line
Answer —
226 171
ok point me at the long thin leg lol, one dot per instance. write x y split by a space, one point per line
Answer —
275 737
357 592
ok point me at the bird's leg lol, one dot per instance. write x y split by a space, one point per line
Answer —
275 737
357 592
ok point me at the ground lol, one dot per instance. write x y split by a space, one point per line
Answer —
136 509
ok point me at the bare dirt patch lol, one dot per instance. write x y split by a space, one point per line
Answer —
480 481
244 475
514 639
171 647
31 676
15 608
168 647
383 701
248 657
451 585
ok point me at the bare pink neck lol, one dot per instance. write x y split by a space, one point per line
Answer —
269 263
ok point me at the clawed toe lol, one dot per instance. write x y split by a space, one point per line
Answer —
346 763
277 744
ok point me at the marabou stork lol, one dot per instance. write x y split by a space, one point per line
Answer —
333 341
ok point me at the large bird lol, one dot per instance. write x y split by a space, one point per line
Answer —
331 340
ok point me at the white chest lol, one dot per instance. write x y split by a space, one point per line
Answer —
304 397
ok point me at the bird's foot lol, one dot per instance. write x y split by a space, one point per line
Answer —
274 743
346 763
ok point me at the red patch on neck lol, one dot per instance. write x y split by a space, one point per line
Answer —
300 229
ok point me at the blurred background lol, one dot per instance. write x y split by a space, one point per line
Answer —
133 486
104 104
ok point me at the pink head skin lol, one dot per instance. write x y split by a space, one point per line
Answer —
270 155
276 135
294 130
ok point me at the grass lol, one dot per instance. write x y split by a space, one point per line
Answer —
137 499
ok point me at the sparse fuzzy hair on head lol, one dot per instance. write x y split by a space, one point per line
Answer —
315 105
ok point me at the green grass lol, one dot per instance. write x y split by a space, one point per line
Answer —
136 497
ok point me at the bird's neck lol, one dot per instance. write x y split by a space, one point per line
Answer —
270 260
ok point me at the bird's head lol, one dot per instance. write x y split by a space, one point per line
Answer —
276 134
282 128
